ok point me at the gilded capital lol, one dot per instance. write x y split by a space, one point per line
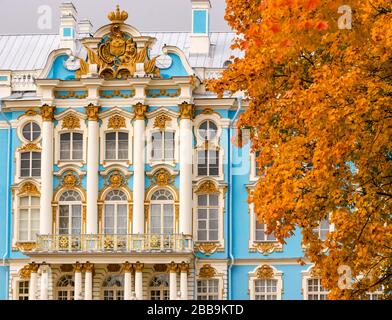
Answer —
186 110
173 267
127 267
92 112
78 267
184 267
140 111
47 112
138 266
34 267
88 267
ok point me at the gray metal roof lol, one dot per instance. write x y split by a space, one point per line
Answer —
30 52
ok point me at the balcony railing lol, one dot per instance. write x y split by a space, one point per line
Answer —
137 243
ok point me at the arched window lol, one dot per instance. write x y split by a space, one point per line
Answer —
65 288
208 130
30 164
207 217
162 212
116 146
162 145
31 131
28 218
115 213
71 146
113 288
70 213
159 287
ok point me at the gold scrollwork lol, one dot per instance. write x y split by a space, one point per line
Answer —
116 122
71 122
186 110
140 111
160 121
265 272
116 93
266 248
47 112
30 147
92 112
162 93
207 187
71 94
207 248
26 246
207 271
28 188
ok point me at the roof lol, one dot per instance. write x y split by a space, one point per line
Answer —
30 51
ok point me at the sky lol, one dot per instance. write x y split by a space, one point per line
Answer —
24 16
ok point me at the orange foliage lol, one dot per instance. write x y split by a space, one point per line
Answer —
321 113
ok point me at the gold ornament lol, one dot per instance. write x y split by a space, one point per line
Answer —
78 267
71 122
116 180
207 271
63 242
162 93
118 17
173 267
70 180
28 188
47 113
24 273
186 110
207 248
160 121
265 272
207 187
30 113
26 246
266 248
71 94
127 267
34 267
140 110
30 147
88 267
315 273
92 112
116 122
184 267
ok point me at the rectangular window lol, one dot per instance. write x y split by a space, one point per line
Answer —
315 290
71 146
208 289
23 290
30 164
266 289
28 218
162 146
322 230
116 144
208 163
207 217
261 235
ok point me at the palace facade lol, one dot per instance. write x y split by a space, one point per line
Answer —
120 176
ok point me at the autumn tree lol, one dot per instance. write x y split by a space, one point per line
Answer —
320 113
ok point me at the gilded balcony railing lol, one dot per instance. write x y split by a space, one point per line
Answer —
85 243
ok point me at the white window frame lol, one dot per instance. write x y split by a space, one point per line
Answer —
163 159
68 289
207 219
116 290
25 124
116 141
25 119
277 275
218 294
161 203
19 172
307 275
70 213
71 146
116 203
29 209
24 295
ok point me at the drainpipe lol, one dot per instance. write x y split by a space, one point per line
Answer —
230 202
7 205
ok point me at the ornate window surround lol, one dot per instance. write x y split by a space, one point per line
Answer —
209 272
213 144
112 122
307 274
161 120
265 271
29 116
70 121
26 188
206 186
263 247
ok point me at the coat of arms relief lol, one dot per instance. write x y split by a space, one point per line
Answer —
117 55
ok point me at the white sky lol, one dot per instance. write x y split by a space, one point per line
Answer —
21 16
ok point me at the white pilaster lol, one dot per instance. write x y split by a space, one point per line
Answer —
92 169
33 281
44 282
127 281
78 282
46 220
186 114
184 281
139 281
173 281
88 281
138 163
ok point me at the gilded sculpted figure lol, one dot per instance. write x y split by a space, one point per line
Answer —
117 54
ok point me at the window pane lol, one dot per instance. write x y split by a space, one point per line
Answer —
214 200
63 219
76 219
201 163
202 200
77 147
122 218
156 151
109 219
65 146
122 146
110 145
169 145
213 163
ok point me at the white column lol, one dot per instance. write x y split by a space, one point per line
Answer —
78 282
186 150
45 225
127 281
139 280
184 281
138 172
44 282
33 281
173 281
88 281
92 169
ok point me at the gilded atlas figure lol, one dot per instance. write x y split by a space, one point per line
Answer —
117 54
